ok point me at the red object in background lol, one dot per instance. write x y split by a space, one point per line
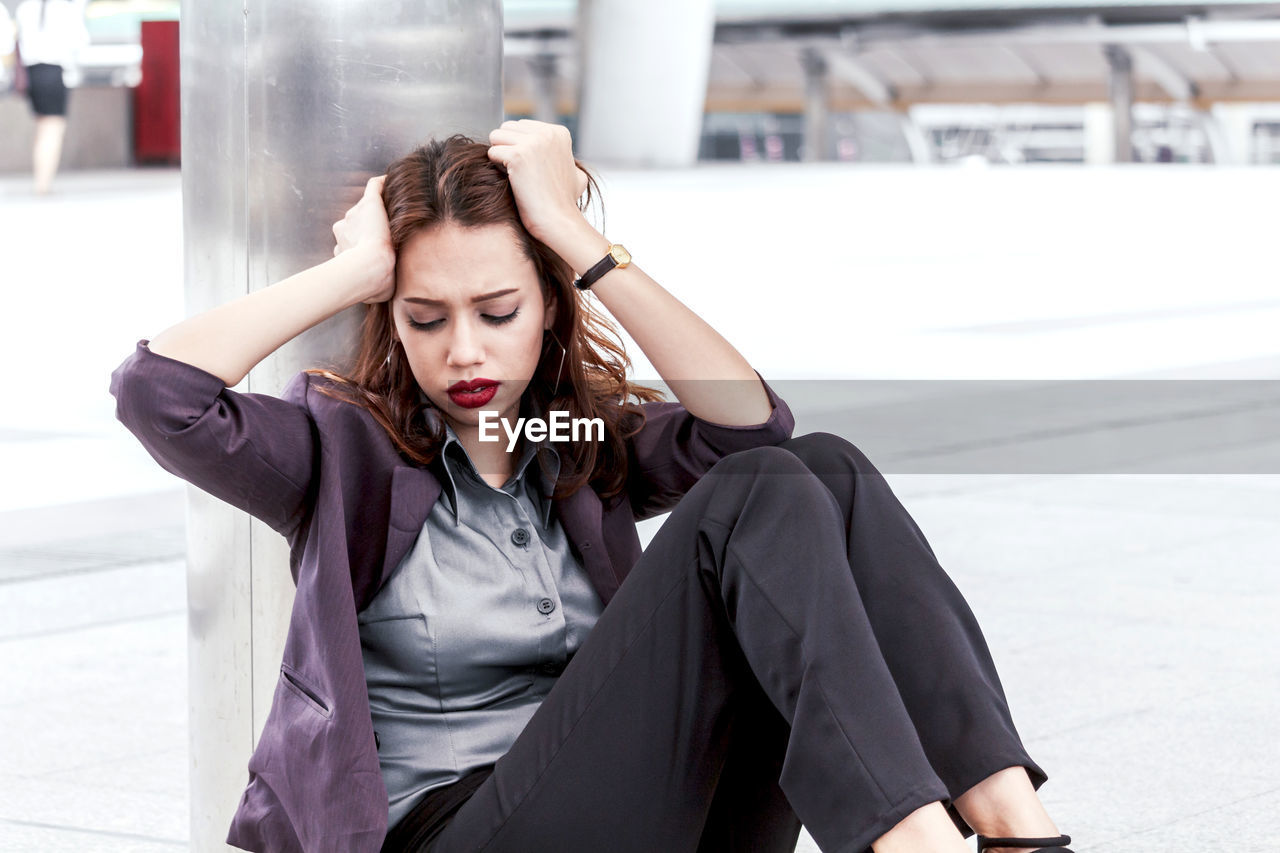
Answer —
157 101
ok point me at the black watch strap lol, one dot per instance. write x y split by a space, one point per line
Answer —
592 275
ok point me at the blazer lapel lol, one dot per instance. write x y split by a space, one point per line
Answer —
580 516
413 492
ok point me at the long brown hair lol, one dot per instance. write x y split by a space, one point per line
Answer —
453 180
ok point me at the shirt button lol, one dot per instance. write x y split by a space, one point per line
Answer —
520 536
546 605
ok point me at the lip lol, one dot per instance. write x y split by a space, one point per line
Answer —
473 394
471 384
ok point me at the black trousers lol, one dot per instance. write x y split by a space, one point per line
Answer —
786 650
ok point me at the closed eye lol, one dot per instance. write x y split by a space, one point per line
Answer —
498 321
488 318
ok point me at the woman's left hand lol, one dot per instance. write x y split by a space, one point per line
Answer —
546 181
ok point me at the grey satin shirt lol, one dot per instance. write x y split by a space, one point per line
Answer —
473 627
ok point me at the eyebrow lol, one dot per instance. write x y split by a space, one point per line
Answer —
439 303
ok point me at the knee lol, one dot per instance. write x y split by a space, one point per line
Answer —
827 453
769 459
771 469
773 474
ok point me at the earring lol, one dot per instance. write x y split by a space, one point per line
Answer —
563 352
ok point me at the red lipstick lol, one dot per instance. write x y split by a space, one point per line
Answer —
474 393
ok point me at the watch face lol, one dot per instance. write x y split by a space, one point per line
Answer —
620 254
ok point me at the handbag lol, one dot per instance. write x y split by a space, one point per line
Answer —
20 82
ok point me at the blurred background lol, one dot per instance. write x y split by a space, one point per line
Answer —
869 81
957 233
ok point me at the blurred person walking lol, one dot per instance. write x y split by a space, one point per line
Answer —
50 34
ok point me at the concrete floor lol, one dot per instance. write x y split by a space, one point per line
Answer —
1129 598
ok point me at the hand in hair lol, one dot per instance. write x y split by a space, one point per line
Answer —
544 176
365 224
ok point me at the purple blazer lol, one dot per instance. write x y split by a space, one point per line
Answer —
326 476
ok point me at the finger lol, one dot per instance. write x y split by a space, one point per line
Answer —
500 154
533 127
506 136
531 124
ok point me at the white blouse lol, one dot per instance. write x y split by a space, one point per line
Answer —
56 42
6 31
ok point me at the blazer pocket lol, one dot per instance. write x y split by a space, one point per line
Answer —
299 687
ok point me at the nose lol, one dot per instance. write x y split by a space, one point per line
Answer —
465 348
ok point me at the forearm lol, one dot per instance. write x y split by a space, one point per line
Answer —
229 340
705 372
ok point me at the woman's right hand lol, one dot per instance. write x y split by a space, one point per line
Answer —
229 339
365 227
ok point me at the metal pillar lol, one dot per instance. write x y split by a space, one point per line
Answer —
816 121
643 80
288 106
1120 88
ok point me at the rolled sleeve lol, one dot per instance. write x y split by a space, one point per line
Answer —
675 448
254 451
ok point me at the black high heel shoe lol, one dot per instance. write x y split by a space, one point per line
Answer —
1041 845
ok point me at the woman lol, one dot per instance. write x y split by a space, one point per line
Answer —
479 656
50 34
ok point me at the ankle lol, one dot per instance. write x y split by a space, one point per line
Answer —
1030 824
1005 805
927 828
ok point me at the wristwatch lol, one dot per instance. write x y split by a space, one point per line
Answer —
618 257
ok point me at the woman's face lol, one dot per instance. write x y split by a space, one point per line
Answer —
468 306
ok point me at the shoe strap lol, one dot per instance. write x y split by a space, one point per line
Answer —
1060 841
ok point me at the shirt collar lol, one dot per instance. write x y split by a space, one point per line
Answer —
456 460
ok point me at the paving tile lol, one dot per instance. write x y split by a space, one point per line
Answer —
1196 496
152 772
1250 824
114 810
30 837
92 695
98 596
